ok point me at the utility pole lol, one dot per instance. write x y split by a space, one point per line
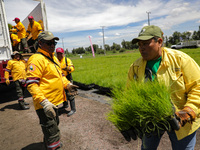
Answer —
148 12
63 44
103 40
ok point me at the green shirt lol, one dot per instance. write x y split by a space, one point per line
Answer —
153 65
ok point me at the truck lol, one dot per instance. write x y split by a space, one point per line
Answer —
39 14
186 44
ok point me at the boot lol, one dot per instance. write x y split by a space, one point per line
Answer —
22 105
25 103
73 108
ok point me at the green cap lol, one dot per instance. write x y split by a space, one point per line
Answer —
47 35
148 32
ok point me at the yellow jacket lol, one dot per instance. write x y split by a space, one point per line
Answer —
35 30
45 79
20 29
182 74
17 69
15 39
63 65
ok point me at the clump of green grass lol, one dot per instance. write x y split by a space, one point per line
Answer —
143 106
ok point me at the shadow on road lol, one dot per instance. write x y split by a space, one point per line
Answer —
13 106
34 146
8 93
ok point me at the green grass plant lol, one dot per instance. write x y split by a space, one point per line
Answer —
107 71
144 106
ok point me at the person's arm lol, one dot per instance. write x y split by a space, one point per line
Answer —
7 71
191 75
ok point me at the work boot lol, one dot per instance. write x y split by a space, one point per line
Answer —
22 105
73 108
25 103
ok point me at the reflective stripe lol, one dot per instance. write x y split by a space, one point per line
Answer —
54 145
8 70
32 81
20 99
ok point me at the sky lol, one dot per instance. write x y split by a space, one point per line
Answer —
73 21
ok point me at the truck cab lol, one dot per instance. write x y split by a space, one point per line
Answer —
177 46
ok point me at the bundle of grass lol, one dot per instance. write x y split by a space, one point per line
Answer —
146 107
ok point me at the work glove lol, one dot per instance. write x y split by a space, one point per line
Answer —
174 123
7 81
129 134
48 108
72 89
186 115
67 68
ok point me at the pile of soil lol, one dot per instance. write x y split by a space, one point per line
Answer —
88 129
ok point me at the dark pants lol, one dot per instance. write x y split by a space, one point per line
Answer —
50 129
33 45
20 88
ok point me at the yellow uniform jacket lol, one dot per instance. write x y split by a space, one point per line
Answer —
35 30
63 65
15 39
20 29
17 69
182 74
45 79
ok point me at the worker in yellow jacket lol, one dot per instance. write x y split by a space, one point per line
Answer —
181 73
18 72
21 33
15 41
34 28
46 83
67 68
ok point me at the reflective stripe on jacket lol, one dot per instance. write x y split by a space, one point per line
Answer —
182 74
21 31
35 30
63 65
17 69
45 79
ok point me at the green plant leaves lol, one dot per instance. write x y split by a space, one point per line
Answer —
144 106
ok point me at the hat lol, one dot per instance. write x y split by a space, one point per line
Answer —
59 50
30 17
148 32
47 35
15 53
16 19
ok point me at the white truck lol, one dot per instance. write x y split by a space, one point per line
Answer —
39 14
187 44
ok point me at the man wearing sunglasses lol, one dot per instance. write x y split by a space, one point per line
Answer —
34 28
46 84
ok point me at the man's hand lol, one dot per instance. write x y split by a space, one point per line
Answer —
186 115
7 81
48 108
129 134
67 68
72 89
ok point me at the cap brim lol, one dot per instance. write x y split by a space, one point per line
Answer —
143 38
51 38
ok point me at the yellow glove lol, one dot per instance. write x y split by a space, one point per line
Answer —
7 81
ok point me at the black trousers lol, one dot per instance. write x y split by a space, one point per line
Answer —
49 128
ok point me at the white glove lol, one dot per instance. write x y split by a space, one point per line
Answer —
49 108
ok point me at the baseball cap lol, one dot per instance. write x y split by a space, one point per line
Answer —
59 50
16 19
47 35
148 32
30 17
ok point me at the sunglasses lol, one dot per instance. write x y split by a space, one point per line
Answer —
49 43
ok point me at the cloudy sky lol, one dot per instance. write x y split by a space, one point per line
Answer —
74 20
